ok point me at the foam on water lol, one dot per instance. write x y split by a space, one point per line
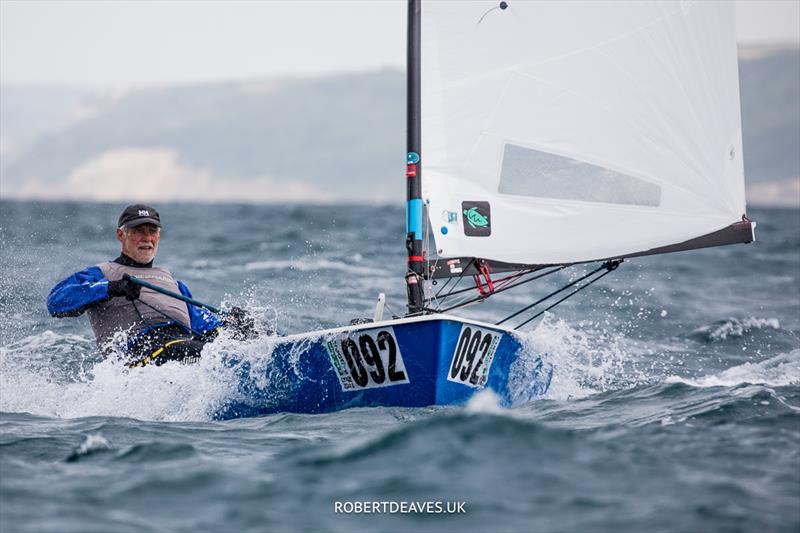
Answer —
485 401
62 375
734 327
585 360
311 265
777 371
92 444
172 392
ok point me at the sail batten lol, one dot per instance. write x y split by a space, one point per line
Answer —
558 133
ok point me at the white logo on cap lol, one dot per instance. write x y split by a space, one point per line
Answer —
144 213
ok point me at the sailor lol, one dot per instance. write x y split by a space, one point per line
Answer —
155 328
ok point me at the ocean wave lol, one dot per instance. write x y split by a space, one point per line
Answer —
455 430
171 392
585 359
485 401
780 370
733 327
41 349
310 265
151 452
92 444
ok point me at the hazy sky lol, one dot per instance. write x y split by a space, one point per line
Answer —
114 43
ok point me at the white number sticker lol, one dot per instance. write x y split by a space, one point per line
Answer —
473 356
367 359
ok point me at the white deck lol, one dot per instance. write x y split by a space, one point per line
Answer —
393 322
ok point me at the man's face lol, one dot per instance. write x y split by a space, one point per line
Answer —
140 243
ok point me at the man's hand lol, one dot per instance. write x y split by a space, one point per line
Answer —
124 287
241 324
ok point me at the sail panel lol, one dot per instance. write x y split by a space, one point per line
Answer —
590 129
529 172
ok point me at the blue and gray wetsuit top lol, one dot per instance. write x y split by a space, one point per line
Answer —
87 291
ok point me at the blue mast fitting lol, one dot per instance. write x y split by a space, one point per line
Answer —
414 218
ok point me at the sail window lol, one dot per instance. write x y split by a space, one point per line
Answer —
528 172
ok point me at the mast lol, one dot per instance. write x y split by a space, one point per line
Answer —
416 264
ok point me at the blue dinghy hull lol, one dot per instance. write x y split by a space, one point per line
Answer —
413 362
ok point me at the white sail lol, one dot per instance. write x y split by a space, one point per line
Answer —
589 129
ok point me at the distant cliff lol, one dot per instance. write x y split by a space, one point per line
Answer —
335 138
770 91
294 139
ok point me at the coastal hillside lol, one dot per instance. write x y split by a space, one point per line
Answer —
334 138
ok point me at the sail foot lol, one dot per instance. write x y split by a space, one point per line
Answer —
741 232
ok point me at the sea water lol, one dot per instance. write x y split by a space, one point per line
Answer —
675 401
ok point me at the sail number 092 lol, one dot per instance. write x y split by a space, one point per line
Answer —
473 356
368 359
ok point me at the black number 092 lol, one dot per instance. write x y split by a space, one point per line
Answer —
466 361
365 358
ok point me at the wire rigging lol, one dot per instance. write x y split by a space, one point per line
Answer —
515 280
503 282
610 266
503 285
540 300
458 280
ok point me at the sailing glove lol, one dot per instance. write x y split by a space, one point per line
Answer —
241 324
124 287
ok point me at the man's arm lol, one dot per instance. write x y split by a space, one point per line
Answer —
73 295
202 320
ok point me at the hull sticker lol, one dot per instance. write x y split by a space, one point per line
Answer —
455 266
367 359
473 356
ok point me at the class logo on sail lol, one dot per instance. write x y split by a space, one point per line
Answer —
477 219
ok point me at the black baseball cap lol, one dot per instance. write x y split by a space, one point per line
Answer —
138 214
